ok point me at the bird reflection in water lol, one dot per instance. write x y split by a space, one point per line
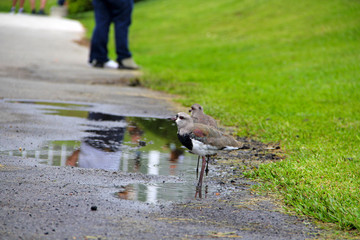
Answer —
176 156
135 137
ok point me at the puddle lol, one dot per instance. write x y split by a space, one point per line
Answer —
113 142
153 193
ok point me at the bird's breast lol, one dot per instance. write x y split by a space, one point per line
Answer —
203 149
186 141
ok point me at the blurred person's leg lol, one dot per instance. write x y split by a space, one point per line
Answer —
33 6
121 11
21 6
13 7
121 15
42 7
99 40
14 3
42 4
21 3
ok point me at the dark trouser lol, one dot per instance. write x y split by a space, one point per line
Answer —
106 12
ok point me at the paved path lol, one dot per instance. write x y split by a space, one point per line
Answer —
44 48
40 59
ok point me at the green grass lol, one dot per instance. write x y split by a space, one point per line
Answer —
280 71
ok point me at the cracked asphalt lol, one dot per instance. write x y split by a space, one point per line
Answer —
41 61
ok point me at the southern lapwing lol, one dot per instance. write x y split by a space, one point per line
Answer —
198 115
202 140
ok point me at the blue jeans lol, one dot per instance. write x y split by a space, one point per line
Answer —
106 12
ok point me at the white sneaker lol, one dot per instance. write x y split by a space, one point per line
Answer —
111 64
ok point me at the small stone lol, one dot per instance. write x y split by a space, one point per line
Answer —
93 208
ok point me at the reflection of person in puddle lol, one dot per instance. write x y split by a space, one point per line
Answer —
102 150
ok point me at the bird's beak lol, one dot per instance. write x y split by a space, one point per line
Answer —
173 118
190 110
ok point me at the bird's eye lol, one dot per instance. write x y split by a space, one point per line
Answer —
181 117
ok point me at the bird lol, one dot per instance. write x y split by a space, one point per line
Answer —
198 115
202 140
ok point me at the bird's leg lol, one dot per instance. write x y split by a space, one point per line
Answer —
198 188
202 171
197 168
207 165
198 191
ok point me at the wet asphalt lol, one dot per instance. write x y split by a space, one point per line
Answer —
40 60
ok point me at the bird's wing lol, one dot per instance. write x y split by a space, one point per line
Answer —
224 142
211 122
200 131
213 136
205 134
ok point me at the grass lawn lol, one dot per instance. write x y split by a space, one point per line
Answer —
279 71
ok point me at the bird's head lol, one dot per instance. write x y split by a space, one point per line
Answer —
183 120
195 108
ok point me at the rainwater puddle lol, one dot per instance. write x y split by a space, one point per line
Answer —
152 193
117 143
